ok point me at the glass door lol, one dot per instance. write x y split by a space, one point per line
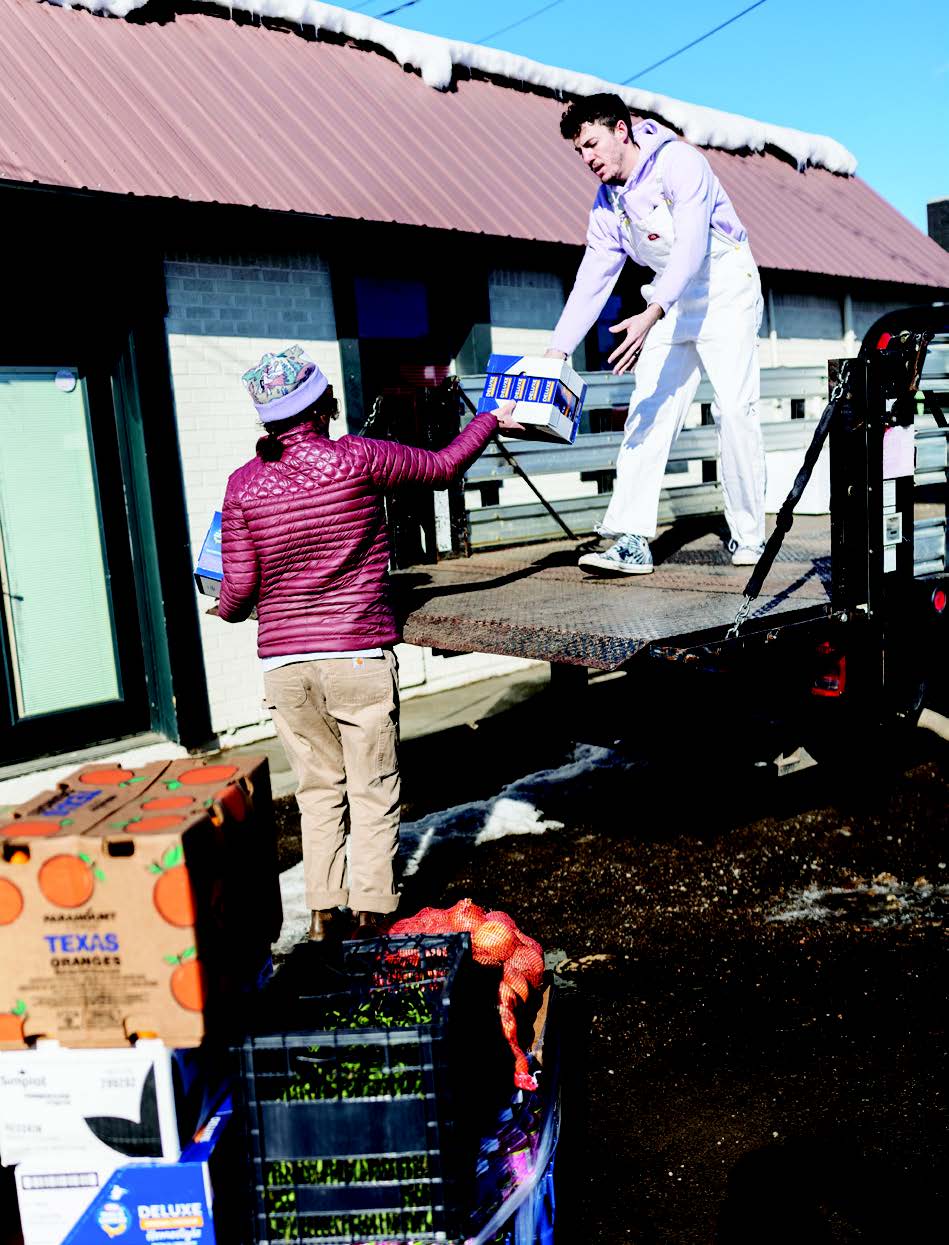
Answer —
71 668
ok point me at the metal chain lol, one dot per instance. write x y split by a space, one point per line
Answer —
743 611
838 390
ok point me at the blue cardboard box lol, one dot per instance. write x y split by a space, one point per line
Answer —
209 572
143 1203
548 395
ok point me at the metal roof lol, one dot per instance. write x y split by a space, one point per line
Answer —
205 109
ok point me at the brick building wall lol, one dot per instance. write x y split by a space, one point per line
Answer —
525 306
222 315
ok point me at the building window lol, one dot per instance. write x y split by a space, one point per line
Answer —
389 308
52 557
797 408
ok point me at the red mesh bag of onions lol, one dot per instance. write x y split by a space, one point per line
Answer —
495 940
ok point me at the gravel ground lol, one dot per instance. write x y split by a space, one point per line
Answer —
752 970
754 979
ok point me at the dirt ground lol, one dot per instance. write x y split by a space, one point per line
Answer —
729 1076
752 970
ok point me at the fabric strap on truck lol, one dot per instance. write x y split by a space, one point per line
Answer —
785 516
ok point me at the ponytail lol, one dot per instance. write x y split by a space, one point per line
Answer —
317 414
270 448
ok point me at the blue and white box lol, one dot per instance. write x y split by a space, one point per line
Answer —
78 1200
210 570
548 395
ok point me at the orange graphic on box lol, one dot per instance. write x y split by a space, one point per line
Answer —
172 894
11 1022
68 881
11 902
188 985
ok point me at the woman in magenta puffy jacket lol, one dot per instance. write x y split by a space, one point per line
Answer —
304 541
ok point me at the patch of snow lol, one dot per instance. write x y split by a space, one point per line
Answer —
514 810
513 817
296 911
804 906
435 58
882 902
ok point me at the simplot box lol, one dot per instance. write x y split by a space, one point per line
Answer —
548 395
136 902
112 1105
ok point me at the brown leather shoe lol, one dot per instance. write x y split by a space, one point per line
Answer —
325 924
370 924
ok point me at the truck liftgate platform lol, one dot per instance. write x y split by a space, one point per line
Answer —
534 601
845 619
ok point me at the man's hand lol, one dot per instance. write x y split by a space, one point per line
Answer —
505 422
554 354
626 355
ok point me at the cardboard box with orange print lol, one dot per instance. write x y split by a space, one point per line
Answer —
136 902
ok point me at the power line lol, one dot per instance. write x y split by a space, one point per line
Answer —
398 8
708 34
521 20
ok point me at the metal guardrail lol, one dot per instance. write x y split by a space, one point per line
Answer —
511 525
596 452
932 455
929 546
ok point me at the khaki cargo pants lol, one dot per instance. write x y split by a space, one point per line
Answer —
338 720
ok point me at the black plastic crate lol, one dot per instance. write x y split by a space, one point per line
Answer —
364 1087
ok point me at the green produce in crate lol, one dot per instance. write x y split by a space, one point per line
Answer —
298 1172
367 1228
391 1009
284 1177
370 1076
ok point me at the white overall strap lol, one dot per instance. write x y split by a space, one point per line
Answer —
617 205
662 185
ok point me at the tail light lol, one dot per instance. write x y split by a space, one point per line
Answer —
939 600
830 677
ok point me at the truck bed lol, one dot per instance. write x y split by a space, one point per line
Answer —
534 601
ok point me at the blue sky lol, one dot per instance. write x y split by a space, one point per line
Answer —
873 74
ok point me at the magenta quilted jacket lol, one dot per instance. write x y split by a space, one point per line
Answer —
304 538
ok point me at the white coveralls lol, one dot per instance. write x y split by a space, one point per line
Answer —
714 323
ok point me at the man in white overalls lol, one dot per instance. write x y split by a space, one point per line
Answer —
660 203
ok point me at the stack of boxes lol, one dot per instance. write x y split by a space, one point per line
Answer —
137 912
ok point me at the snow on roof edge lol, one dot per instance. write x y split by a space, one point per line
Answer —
436 58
